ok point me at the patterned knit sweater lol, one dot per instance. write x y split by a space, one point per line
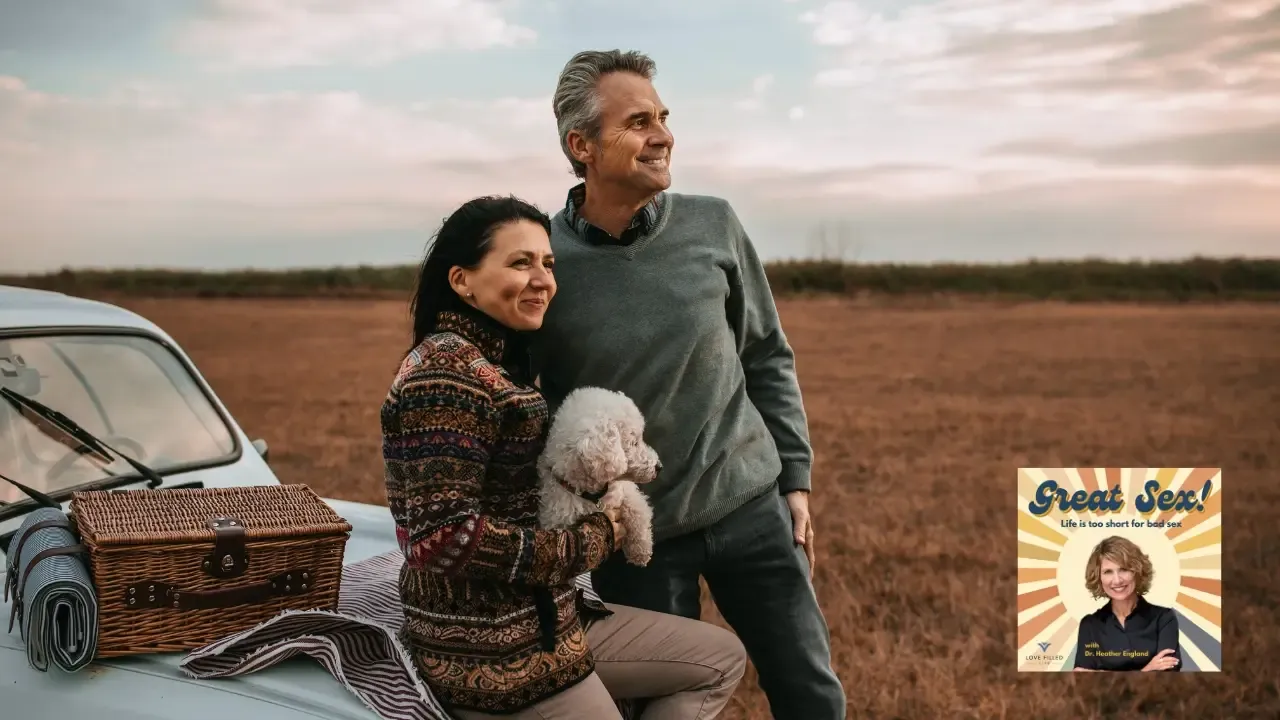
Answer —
461 436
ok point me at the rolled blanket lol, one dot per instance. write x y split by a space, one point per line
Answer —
54 600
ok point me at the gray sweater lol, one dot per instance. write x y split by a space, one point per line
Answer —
682 321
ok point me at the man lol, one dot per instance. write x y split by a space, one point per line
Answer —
661 296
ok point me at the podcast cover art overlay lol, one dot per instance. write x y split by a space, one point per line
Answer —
1173 515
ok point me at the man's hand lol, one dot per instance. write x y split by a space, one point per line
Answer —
802 523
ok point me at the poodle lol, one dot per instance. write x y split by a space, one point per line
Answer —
595 455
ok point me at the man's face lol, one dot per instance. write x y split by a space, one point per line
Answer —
634 147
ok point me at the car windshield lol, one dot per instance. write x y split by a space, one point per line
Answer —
128 390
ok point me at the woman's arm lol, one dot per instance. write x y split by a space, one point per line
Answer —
1086 646
1167 639
436 444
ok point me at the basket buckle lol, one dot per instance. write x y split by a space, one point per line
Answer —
229 557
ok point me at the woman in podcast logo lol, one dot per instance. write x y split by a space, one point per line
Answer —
1128 632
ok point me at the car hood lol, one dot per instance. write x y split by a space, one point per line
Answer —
147 687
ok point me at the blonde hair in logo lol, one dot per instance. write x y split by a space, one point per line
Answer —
1126 554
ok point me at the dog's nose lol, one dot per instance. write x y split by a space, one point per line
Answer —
657 467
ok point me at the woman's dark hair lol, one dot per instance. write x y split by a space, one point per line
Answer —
463 240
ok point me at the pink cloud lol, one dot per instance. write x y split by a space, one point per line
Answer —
258 34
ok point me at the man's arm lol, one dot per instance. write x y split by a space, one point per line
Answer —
768 361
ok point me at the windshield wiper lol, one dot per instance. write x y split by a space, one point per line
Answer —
40 499
32 493
66 431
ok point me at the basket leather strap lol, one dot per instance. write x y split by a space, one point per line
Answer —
229 558
15 610
149 594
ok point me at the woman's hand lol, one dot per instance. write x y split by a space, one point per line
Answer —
1162 661
619 530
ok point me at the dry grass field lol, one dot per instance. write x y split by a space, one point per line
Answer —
920 417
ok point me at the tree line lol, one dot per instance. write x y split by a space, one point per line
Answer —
1069 280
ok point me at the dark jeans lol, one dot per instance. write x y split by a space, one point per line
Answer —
759 579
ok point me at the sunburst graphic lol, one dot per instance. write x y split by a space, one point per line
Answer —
1185 548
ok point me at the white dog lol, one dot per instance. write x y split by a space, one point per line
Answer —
594 456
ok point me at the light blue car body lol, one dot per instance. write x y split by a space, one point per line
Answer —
152 687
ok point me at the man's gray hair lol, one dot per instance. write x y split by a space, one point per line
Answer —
577 98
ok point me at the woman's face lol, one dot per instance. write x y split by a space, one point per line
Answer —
514 282
1117 582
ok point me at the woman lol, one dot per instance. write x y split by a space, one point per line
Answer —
1127 633
495 624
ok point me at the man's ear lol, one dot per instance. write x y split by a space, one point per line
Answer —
579 146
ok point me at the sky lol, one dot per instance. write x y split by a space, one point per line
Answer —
299 133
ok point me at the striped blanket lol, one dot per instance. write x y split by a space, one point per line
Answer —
359 644
54 601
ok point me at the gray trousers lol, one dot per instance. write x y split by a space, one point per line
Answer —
759 579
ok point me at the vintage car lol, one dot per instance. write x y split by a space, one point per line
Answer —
127 381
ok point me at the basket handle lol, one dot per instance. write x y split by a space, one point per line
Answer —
151 594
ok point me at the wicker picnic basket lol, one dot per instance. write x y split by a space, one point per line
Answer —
178 569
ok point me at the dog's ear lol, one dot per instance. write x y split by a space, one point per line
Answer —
599 457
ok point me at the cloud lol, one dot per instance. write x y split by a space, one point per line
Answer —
286 33
1123 68
759 90
149 175
1120 218
278 146
98 175
962 129
1083 115
1247 147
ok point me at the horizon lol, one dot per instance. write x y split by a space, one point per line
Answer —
228 135
284 269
